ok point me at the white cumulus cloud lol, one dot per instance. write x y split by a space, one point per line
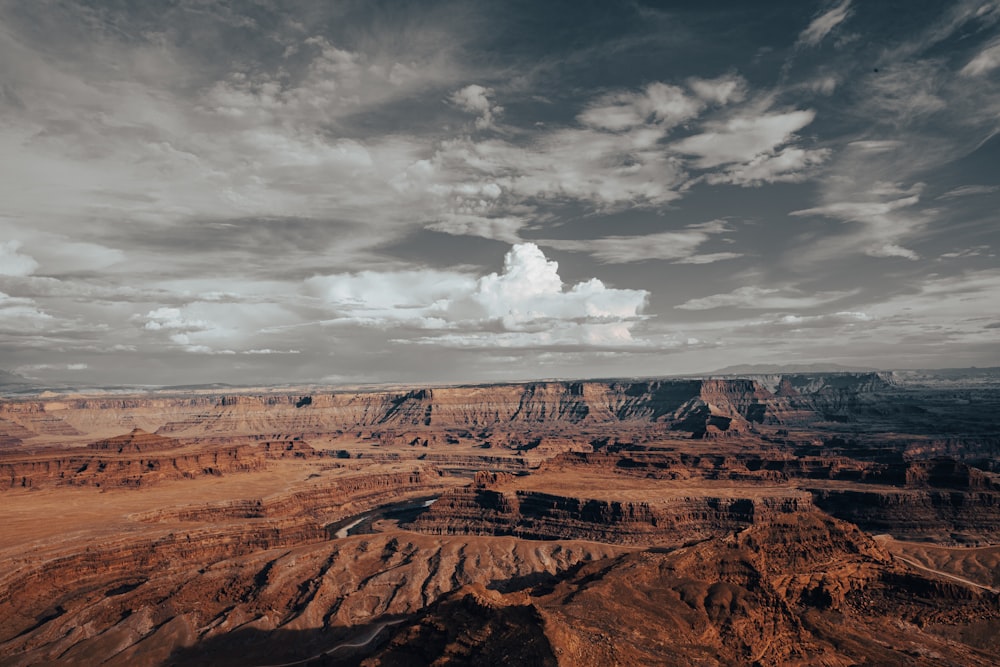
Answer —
524 304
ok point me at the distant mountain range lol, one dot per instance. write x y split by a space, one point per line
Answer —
769 369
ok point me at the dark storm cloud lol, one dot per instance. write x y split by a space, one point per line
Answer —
374 190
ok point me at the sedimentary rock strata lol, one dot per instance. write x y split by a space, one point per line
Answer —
679 521
801 590
698 407
303 597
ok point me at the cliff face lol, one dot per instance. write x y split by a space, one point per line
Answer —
884 468
549 516
493 505
699 407
128 469
135 442
672 498
944 516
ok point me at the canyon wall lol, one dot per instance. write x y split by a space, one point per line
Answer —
674 521
698 407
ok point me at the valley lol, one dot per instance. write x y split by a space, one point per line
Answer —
838 518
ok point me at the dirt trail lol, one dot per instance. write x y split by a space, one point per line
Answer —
953 577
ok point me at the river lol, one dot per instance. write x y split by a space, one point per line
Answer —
361 524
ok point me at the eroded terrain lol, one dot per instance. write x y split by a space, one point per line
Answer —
800 519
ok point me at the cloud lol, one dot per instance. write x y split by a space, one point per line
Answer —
419 297
875 146
957 15
195 169
658 104
50 254
743 138
790 165
171 318
614 156
13 263
499 229
157 133
978 251
527 298
29 368
824 85
985 61
679 246
821 26
721 90
940 311
709 258
907 327
762 297
882 218
477 100
592 167
969 191
218 327
797 322
529 291
19 314
330 82
560 335
905 92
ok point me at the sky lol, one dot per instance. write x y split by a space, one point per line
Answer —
256 192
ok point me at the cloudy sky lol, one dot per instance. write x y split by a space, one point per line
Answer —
281 191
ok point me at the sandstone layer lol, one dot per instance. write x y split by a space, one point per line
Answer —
801 590
676 521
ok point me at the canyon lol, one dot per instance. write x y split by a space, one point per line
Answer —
770 519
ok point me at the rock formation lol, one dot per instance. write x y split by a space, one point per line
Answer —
801 590
699 407
781 519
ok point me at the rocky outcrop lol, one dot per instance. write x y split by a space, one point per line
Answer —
491 507
938 499
135 442
800 590
127 469
277 603
943 516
